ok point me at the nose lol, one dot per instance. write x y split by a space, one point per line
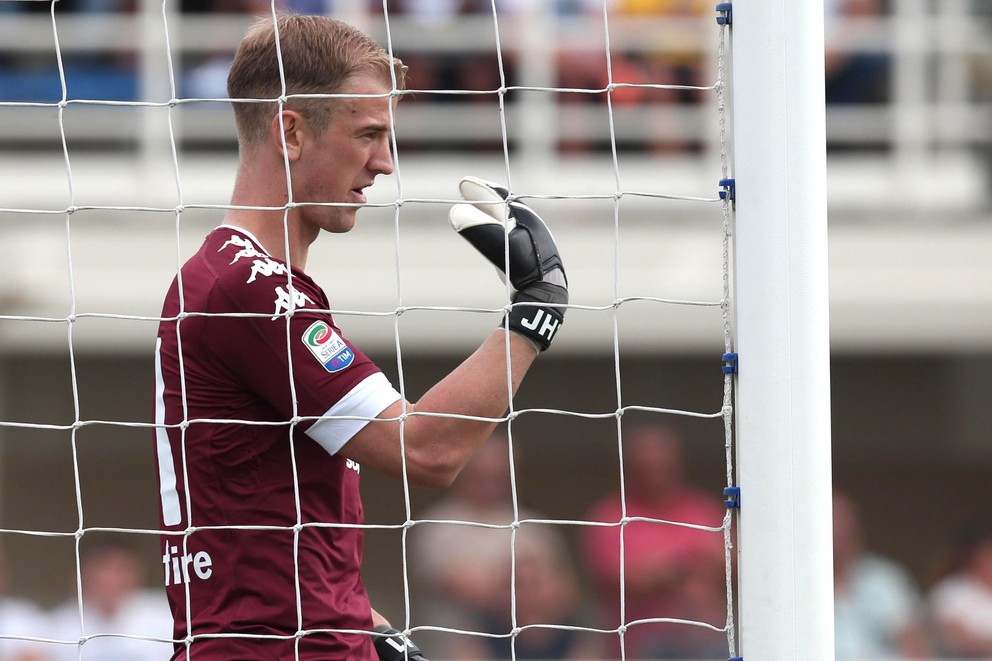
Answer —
381 160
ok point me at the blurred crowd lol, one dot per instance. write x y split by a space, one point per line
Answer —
658 573
112 616
490 579
677 73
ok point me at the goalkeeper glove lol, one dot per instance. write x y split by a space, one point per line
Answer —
526 246
394 646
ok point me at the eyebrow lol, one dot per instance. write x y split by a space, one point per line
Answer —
375 127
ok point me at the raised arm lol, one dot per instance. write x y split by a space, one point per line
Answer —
517 242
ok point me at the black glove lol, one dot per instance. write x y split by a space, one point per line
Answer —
535 268
394 646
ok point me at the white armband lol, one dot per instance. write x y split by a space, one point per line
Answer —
352 412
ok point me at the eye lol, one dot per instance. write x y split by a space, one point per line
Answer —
378 133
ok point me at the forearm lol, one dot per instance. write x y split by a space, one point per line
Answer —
438 446
378 620
391 644
481 387
442 431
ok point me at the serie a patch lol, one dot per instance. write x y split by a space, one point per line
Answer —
328 347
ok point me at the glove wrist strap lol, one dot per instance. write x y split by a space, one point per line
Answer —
392 645
537 323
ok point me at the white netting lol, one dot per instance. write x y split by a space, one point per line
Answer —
629 303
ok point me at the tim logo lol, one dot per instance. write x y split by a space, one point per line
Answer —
328 347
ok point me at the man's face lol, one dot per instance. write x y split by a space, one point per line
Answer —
352 150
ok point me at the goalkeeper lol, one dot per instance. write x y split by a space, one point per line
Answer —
263 404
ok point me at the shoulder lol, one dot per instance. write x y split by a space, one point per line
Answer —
64 618
149 600
885 584
707 503
961 598
15 610
150 609
608 509
882 569
254 279
956 589
235 257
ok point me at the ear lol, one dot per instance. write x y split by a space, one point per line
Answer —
289 131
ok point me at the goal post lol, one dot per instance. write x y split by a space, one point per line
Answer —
782 331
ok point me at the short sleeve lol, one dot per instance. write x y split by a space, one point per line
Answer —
271 336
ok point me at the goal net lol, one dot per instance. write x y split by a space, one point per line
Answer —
597 523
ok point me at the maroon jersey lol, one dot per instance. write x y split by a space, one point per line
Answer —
262 542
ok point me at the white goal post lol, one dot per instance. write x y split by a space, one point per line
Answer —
782 330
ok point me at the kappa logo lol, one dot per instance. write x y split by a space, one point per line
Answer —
246 248
328 347
287 299
286 302
265 267
261 264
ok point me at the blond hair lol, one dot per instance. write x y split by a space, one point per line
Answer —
319 56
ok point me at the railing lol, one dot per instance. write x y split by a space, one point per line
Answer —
932 98
936 57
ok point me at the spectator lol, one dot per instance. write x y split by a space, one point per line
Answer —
19 617
430 12
585 68
205 76
962 602
101 70
76 6
854 72
668 570
430 69
681 64
463 570
645 77
547 593
878 610
119 618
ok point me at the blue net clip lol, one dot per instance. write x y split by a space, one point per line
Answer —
730 363
729 191
725 17
732 498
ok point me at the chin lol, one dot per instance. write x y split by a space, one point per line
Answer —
341 224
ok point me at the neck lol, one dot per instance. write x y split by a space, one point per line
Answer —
270 228
278 230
